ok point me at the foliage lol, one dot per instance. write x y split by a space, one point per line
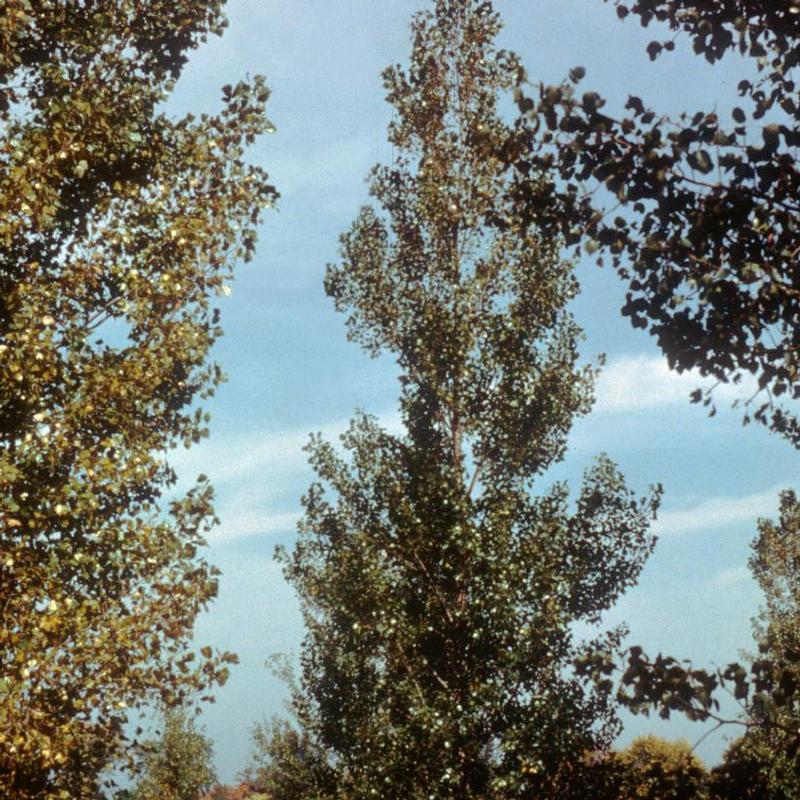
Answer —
657 769
706 232
706 235
440 593
768 689
286 763
117 223
775 564
179 765
755 767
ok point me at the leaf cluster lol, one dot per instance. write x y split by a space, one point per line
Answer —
768 688
117 226
698 214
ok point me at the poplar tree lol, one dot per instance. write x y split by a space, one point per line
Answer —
118 224
440 591
179 764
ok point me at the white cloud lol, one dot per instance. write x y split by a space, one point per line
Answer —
253 522
638 383
728 578
719 512
260 478
230 459
226 460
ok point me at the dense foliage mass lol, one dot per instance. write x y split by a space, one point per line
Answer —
117 224
656 769
756 767
699 214
440 592
178 765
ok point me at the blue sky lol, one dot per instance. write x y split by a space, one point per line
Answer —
291 370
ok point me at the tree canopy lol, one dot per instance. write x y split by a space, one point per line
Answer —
698 214
440 591
657 769
178 765
118 225
755 767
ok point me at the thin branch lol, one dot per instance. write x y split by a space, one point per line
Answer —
705 735
474 480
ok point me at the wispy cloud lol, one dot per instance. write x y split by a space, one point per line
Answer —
228 459
238 524
627 384
728 578
260 478
719 512
640 383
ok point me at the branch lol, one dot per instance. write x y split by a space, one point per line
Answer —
474 480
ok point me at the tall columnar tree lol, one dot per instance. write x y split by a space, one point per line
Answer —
117 225
440 592
775 564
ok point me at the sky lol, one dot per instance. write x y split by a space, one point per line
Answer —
291 370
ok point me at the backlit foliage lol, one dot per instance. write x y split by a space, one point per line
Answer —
117 225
